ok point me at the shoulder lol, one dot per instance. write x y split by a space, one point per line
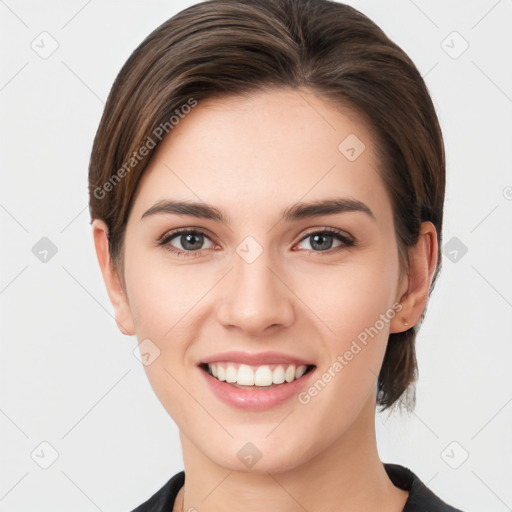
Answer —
421 498
163 499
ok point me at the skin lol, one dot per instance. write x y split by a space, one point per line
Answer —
251 157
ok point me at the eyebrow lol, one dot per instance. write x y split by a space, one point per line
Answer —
296 212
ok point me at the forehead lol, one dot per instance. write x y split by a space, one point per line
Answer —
270 147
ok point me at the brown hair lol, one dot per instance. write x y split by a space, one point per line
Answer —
233 47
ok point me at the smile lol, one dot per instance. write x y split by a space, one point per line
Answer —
256 397
262 376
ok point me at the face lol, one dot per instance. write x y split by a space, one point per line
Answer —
318 284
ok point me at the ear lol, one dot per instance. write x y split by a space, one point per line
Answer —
415 285
112 281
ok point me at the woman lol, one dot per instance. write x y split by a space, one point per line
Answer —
266 193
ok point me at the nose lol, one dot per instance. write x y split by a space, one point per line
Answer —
255 297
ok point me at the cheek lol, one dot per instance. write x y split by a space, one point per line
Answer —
357 307
168 305
164 302
348 297
162 296
353 295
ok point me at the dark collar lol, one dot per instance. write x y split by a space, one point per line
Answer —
421 498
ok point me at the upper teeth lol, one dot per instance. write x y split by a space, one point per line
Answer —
264 375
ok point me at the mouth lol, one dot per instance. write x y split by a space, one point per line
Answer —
261 377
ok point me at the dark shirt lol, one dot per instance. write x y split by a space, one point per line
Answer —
421 498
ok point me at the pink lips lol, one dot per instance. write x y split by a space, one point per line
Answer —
256 399
256 359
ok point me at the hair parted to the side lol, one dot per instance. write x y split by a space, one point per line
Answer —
233 47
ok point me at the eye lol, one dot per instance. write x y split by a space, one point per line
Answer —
190 242
322 240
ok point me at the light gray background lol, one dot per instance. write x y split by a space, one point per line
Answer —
70 379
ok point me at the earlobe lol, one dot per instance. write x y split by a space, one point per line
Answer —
115 291
422 264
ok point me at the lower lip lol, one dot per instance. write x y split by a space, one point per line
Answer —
256 400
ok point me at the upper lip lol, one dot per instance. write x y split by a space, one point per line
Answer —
255 358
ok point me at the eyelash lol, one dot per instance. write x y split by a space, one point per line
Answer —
167 237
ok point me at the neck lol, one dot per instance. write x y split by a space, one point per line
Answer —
346 476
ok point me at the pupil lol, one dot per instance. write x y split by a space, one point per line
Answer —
323 242
186 240
322 237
